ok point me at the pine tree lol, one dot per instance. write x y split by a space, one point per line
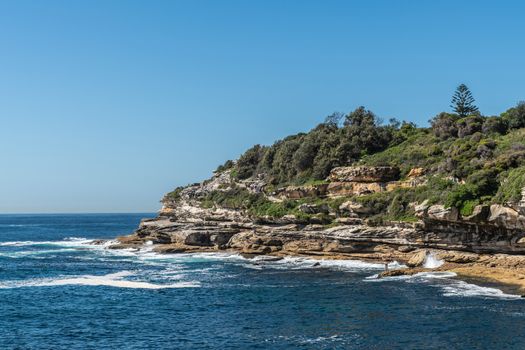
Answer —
463 102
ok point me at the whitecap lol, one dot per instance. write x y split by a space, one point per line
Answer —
17 243
26 253
68 242
291 262
110 280
447 283
464 289
375 278
435 274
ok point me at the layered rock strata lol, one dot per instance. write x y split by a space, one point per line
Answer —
492 237
350 181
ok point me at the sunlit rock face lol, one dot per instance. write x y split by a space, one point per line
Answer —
364 174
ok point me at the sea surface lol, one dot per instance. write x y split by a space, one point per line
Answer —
59 290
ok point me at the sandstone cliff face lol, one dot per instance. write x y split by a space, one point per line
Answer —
184 225
364 174
351 181
298 192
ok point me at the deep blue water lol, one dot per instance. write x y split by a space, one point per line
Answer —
59 291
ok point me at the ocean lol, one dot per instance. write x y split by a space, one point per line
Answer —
59 290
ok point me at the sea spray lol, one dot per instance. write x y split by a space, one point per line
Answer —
431 261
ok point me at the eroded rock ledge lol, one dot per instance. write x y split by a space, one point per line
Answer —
491 239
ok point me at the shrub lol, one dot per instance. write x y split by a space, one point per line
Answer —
512 183
494 125
460 195
227 165
175 194
469 125
444 125
468 207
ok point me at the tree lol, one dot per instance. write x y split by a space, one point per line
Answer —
334 119
463 102
361 135
249 161
515 117
360 117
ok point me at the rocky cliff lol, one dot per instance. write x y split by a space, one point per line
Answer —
488 243
186 224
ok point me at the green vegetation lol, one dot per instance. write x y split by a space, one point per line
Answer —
227 165
256 205
468 158
463 102
513 183
174 195
398 205
308 157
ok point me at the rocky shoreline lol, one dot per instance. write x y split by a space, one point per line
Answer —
355 242
488 244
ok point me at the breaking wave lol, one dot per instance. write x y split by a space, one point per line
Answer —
68 242
110 280
450 286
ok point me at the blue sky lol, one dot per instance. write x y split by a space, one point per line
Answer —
106 105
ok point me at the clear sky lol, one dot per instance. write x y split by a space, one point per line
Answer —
106 105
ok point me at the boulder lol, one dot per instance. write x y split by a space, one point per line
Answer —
349 221
340 189
198 239
353 207
458 257
521 241
338 247
502 216
416 172
131 239
364 174
314 208
298 192
439 212
256 249
418 258
303 246
405 249
421 209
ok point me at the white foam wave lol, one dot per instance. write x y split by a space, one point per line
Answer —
16 243
464 289
68 242
375 278
260 262
435 274
110 280
306 263
448 284
26 253
308 341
